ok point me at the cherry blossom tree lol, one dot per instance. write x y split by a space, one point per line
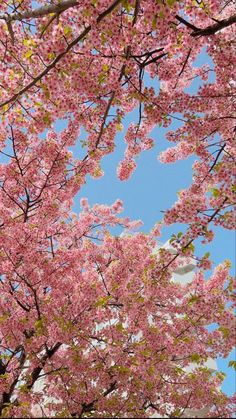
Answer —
96 318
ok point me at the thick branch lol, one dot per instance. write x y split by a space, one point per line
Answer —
212 29
209 30
153 60
40 12
37 370
136 10
186 23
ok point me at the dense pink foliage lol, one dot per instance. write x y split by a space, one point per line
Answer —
99 316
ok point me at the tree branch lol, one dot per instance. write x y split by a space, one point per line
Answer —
40 12
186 23
209 30
185 62
212 29
136 10
153 60
37 370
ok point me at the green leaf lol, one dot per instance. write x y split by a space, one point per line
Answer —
103 38
39 327
4 317
47 119
103 301
225 332
102 77
170 2
191 247
232 364
146 353
221 375
67 30
149 385
201 5
176 413
45 90
154 22
217 166
193 299
28 54
119 327
215 192
105 67
195 358
126 5
119 127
